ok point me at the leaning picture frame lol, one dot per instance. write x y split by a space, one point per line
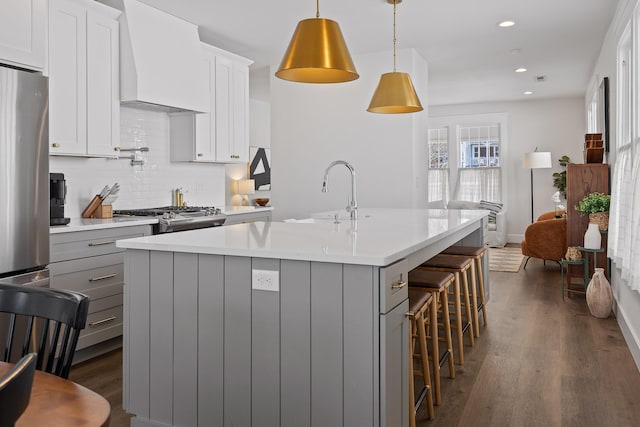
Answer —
260 167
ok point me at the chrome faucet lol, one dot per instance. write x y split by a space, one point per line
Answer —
352 208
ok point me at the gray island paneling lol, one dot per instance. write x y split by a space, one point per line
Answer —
326 346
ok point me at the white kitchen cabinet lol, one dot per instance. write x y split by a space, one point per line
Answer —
23 33
223 134
84 106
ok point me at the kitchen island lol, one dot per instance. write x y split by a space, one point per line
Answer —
270 324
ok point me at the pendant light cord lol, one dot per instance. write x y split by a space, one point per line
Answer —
317 8
394 36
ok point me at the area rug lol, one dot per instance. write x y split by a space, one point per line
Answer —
505 259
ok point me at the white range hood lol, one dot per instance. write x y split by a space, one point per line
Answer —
161 60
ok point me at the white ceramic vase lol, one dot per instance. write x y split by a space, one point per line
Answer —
592 237
599 295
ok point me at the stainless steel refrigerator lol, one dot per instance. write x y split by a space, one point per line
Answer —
24 177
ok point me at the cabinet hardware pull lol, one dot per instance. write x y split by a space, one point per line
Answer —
55 145
200 154
103 321
106 276
116 148
401 284
106 242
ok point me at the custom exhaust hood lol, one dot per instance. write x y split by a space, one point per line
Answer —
161 60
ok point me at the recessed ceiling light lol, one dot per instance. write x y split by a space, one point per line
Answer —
506 24
527 93
520 70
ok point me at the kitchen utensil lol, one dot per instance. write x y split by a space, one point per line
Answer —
92 206
96 202
104 192
109 199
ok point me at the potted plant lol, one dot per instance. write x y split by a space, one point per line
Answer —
596 205
560 178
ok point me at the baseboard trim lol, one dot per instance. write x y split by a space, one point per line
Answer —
630 335
515 238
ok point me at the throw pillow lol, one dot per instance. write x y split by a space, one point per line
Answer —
492 207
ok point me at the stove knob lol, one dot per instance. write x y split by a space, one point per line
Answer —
169 215
217 211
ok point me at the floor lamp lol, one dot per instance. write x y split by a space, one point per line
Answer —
536 160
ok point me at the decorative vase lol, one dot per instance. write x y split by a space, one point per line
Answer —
600 218
592 237
599 295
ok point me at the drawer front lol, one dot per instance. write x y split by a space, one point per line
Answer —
101 326
83 244
394 285
98 277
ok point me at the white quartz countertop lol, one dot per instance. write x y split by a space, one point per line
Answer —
235 210
85 224
379 237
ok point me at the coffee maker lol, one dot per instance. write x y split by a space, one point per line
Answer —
57 197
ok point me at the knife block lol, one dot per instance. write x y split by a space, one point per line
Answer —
103 211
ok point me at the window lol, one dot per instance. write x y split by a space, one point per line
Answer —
438 188
479 173
624 234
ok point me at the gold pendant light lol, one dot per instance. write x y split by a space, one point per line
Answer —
395 93
317 53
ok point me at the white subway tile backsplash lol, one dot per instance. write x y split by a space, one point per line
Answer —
149 185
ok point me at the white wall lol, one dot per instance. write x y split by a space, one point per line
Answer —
145 186
314 124
627 308
555 125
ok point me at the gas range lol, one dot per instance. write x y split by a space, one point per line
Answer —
179 218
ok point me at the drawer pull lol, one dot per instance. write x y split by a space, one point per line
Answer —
401 284
106 242
106 276
103 321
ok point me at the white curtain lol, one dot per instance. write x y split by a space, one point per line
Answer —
475 184
624 236
438 188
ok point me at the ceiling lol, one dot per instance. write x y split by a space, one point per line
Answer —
470 58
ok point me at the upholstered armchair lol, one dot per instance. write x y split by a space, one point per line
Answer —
546 238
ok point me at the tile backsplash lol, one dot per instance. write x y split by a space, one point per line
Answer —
149 185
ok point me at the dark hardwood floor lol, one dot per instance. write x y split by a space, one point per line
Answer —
539 362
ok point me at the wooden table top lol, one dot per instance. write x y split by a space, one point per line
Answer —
56 402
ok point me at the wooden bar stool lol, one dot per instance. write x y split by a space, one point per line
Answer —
438 283
459 267
477 254
420 303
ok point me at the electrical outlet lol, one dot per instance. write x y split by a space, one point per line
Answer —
265 280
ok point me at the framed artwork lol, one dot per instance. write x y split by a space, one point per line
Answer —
260 167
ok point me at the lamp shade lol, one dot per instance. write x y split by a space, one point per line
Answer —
537 160
246 186
395 94
317 53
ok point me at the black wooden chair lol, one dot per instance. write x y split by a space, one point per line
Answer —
52 319
15 390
